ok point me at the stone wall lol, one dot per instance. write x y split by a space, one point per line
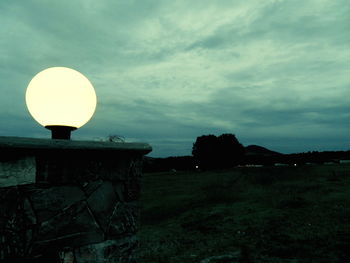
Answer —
66 201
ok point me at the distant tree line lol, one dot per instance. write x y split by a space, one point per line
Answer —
225 151
314 157
311 157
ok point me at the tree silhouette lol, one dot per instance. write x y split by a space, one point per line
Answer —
204 151
212 152
231 152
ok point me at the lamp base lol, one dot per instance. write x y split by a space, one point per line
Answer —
60 131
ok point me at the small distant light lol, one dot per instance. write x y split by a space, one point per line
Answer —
295 164
196 166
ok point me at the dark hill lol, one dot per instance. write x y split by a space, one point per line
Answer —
259 150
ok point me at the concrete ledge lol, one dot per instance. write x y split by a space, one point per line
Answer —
49 144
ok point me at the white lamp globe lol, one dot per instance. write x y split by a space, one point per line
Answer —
61 96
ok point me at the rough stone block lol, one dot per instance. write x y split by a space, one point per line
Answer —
17 172
9 202
12 224
109 251
133 184
119 189
90 187
124 219
29 213
50 201
115 169
102 202
132 190
73 227
61 168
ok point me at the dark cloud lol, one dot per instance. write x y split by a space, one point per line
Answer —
275 73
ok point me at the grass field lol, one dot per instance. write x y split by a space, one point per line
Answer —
269 214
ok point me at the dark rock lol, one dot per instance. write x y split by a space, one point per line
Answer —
74 226
133 184
119 189
12 222
101 202
29 213
17 172
67 255
61 168
29 236
9 201
116 169
30 225
51 201
124 219
90 187
109 251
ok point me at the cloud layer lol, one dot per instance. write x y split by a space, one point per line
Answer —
275 73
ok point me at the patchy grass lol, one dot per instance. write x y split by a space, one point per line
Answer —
270 214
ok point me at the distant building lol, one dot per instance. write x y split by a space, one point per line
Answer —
344 161
310 163
281 164
253 165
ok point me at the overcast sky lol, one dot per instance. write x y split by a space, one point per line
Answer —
275 73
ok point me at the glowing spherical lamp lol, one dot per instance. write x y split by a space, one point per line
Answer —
61 99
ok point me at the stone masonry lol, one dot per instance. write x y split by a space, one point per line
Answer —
69 201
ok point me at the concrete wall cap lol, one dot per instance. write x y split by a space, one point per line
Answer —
50 144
